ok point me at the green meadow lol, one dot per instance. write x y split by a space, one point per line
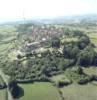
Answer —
39 91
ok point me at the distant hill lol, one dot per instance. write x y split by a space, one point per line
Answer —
89 18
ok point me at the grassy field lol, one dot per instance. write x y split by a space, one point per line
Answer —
65 39
91 70
39 91
93 38
7 30
7 37
3 94
58 77
80 92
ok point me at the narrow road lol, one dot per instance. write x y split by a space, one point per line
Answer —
6 82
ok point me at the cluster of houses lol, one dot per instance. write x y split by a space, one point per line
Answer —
47 32
41 35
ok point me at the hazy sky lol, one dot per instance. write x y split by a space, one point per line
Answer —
17 9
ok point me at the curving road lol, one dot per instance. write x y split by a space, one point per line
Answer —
6 82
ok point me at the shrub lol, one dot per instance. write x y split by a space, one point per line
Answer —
70 50
77 75
56 42
19 56
83 41
86 57
63 82
84 80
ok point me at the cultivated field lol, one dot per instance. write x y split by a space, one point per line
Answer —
39 91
